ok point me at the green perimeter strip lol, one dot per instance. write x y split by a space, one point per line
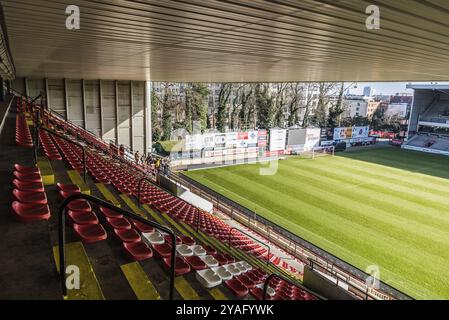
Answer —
89 287
107 194
48 177
185 289
76 179
139 282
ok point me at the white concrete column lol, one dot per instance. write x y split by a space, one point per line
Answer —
147 115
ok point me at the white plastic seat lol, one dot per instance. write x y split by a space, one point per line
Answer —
223 273
153 238
233 269
184 250
210 261
246 265
270 291
208 278
240 266
198 250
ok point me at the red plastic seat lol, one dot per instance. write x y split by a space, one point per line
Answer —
196 263
257 293
127 235
68 187
181 266
119 223
237 287
142 227
187 240
138 251
65 194
30 196
246 281
163 250
167 238
229 258
79 205
26 169
209 250
90 233
28 177
28 186
26 212
82 218
220 258
110 213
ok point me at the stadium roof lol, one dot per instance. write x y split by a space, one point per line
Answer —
436 86
230 40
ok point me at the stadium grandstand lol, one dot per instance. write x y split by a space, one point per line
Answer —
82 219
429 119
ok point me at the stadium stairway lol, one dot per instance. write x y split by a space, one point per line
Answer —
31 252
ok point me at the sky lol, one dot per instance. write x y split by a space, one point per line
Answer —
386 88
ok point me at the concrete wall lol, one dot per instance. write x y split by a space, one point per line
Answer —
421 100
113 110
124 112
92 104
324 287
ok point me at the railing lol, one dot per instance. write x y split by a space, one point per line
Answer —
275 275
198 216
307 248
62 235
38 127
258 241
139 189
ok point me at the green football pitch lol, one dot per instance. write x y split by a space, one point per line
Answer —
378 206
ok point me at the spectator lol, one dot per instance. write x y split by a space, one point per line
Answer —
137 157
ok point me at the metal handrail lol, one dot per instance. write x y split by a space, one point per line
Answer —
264 244
275 275
83 149
198 215
62 262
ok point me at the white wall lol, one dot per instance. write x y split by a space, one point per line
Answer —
113 110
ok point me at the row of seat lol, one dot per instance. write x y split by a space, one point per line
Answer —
50 150
23 135
124 179
30 198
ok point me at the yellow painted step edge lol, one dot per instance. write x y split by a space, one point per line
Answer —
139 282
89 286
